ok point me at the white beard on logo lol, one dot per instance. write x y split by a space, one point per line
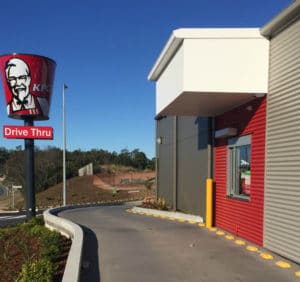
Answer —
22 94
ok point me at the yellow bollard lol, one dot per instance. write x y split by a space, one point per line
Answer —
209 202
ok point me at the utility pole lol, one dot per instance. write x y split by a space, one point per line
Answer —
64 145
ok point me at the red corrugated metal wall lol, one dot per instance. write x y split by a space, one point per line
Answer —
243 218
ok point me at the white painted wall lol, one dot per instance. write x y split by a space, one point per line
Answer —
226 65
170 83
217 61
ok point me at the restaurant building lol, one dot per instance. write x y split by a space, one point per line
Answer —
228 108
282 173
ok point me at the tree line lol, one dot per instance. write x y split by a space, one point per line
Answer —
48 164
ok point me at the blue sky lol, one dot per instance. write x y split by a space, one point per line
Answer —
104 51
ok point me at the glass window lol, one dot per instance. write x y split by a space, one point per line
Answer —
239 167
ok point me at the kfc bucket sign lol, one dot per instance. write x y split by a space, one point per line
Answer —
27 83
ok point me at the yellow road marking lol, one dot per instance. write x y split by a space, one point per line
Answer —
192 222
283 264
229 237
240 242
252 248
266 256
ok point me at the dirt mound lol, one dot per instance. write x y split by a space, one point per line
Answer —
81 190
126 180
102 187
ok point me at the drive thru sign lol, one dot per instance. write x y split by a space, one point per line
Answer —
28 132
28 84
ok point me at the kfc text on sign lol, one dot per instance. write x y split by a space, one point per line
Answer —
28 132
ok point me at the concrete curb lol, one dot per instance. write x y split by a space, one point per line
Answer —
176 215
75 233
4 212
72 231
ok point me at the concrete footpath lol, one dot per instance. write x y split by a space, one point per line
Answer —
124 243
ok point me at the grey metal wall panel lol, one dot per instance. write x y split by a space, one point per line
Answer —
182 166
191 164
282 182
165 158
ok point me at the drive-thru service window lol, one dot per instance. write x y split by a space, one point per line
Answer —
239 167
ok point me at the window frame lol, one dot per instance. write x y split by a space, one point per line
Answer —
233 189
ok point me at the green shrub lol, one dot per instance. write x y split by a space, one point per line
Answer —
34 228
114 191
40 270
51 245
32 223
38 248
148 183
161 204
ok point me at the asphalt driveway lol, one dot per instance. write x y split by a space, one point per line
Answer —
122 246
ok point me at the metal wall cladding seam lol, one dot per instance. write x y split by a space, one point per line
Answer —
282 183
192 138
243 218
165 160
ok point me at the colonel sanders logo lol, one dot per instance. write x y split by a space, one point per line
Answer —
18 78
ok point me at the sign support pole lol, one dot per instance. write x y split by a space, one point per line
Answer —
29 173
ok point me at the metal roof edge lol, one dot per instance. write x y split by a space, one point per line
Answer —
166 54
218 33
282 20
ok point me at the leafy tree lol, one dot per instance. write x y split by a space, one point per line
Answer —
48 163
139 159
4 156
124 158
151 164
14 169
48 167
